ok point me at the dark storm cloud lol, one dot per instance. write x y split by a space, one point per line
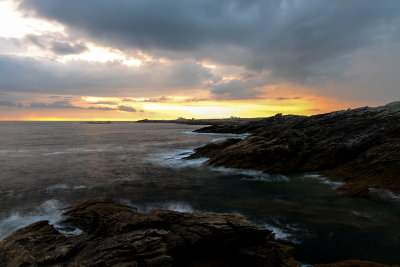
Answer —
102 108
286 98
7 104
126 108
36 40
235 89
18 74
60 97
51 42
295 40
11 104
56 105
105 103
64 48
68 105
120 108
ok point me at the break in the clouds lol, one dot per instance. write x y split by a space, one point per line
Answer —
230 49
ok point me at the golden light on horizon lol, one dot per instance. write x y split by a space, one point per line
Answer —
91 99
172 107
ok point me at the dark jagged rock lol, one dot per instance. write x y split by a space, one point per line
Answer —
116 235
360 147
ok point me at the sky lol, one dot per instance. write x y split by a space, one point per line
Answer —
164 59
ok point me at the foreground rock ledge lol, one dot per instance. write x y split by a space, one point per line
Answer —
117 235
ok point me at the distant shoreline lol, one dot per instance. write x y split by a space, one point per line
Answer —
227 121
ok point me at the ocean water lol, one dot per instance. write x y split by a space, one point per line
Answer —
45 166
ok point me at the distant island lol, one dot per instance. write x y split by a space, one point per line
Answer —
226 121
97 122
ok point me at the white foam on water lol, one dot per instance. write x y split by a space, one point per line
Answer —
244 135
178 206
53 153
65 187
7 151
218 140
253 175
175 206
324 180
49 210
180 154
176 159
280 234
57 187
85 150
384 193
103 149
122 157
79 187
14 153
288 232
76 231
360 214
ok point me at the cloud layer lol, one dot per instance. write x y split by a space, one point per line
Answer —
20 74
292 39
227 49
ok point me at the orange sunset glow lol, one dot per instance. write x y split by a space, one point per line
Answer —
174 107
54 69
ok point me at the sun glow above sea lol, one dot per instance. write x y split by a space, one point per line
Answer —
92 108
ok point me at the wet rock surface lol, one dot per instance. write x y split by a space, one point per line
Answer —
117 235
358 146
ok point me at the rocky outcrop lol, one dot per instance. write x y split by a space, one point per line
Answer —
117 235
360 147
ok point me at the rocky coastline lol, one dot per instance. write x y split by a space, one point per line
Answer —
360 147
118 235
110 234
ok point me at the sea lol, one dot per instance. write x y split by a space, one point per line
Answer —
44 166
